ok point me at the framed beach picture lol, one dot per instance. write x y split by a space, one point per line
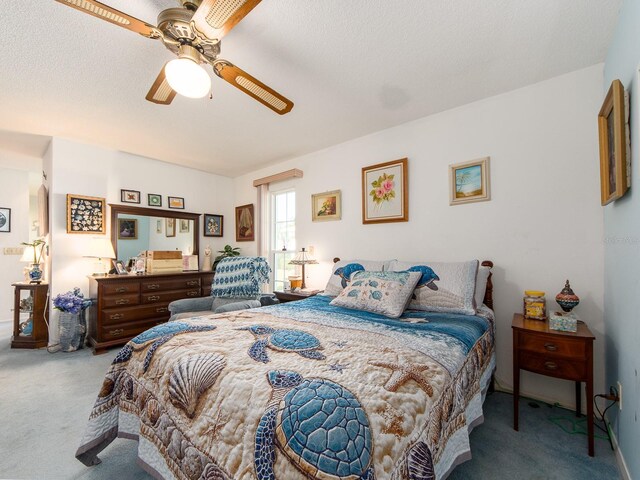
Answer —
326 206
176 202
612 129
5 220
154 200
245 227
85 214
184 225
170 227
469 182
127 229
129 196
385 192
213 225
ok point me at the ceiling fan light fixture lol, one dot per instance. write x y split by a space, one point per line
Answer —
186 77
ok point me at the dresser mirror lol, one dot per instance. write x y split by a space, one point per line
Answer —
135 229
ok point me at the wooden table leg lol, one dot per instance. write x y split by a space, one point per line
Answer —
589 398
516 380
578 399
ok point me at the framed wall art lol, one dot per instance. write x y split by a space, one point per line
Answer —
85 214
5 220
469 182
176 202
184 225
159 226
245 226
326 206
129 196
127 229
170 227
612 129
154 200
385 192
213 225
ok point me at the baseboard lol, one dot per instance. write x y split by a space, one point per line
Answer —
500 387
622 465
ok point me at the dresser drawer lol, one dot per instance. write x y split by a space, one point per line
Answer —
123 300
112 316
170 284
120 287
553 366
555 345
128 330
170 296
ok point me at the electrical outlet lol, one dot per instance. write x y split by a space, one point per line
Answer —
620 395
13 250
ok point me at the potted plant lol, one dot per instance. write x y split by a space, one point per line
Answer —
37 247
71 319
228 251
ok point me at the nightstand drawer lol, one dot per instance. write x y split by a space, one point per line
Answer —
564 347
553 366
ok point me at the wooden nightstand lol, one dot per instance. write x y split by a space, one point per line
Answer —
564 355
285 297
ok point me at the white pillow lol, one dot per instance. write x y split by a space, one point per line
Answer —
481 284
340 276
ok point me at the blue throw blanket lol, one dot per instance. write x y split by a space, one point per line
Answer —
240 277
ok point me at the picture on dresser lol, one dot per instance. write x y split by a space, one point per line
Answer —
85 214
170 227
120 268
213 225
127 229
5 219
129 196
154 200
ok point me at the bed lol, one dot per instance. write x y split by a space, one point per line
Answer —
299 390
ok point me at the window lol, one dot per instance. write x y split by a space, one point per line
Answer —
283 236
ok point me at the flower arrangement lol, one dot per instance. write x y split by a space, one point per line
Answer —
71 302
383 189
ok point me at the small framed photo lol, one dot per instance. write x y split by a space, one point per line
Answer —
159 226
154 200
127 229
170 227
612 129
385 192
140 265
213 225
184 225
85 214
245 227
176 202
469 182
129 196
326 206
5 219
120 268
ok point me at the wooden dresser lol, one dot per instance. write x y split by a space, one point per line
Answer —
126 305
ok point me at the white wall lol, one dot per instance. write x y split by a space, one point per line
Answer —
89 170
544 222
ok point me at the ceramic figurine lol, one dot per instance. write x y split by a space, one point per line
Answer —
206 265
566 298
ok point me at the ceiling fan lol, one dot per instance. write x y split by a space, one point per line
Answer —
193 32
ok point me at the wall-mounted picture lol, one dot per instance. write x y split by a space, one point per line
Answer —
469 182
127 229
154 200
170 227
159 226
184 225
213 225
119 267
176 202
385 192
326 206
245 228
5 220
85 214
612 128
129 196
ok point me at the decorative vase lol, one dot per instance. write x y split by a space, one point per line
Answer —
35 273
566 298
72 331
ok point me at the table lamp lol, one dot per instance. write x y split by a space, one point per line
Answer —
100 248
32 273
303 258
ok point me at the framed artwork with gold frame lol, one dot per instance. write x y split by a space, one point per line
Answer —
326 206
469 182
85 214
385 192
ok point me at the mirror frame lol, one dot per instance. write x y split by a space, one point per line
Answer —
152 212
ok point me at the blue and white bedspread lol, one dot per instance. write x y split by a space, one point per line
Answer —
299 390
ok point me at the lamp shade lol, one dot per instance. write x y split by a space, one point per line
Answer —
303 258
188 78
28 254
100 248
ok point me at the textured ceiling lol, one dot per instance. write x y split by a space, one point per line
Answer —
351 67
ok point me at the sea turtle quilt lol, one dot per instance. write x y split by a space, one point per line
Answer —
298 390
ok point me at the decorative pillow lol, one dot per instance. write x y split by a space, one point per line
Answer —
386 293
443 287
342 271
481 284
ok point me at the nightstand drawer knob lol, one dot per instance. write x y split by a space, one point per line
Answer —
153 286
550 365
551 347
116 316
122 301
153 298
162 309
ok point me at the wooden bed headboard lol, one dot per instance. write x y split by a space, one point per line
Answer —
488 293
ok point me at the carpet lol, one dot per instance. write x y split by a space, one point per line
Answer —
45 400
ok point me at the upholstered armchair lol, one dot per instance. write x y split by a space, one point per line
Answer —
236 286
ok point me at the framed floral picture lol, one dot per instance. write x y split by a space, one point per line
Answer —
245 226
129 196
213 225
326 206
85 214
170 227
154 200
176 202
469 182
5 220
385 192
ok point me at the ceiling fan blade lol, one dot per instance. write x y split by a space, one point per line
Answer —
252 86
104 12
214 18
160 92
